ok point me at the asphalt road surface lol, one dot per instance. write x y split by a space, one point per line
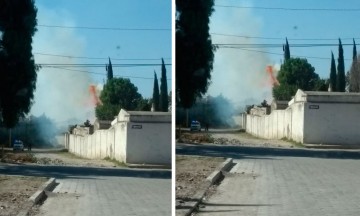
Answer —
272 182
101 191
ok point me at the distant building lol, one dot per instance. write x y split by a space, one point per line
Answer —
279 105
102 124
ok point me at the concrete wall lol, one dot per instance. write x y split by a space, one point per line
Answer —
310 122
129 142
150 144
279 124
332 123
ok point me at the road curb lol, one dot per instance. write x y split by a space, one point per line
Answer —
37 196
210 180
148 166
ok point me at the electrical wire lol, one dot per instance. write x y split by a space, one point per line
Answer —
292 9
280 54
263 45
98 65
85 57
281 38
104 28
102 74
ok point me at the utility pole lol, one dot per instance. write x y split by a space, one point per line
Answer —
10 137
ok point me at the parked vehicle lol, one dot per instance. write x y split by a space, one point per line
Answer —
195 126
18 145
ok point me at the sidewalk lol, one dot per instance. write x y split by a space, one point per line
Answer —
281 186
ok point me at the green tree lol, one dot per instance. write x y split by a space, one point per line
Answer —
156 95
354 79
354 50
340 82
333 78
109 70
321 85
295 73
18 70
118 93
284 92
286 49
194 50
164 102
144 105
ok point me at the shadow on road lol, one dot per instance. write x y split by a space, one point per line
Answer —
239 152
62 172
202 206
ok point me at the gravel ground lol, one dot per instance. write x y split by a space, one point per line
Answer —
232 138
15 191
245 139
68 159
191 172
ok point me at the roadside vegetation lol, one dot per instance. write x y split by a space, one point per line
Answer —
297 144
116 162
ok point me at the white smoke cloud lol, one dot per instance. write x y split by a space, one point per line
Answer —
60 94
240 75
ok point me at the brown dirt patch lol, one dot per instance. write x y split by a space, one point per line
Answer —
69 159
191 172
187 137
15 191
18 157
233 139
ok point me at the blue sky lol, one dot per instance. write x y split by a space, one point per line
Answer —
247 68
150 46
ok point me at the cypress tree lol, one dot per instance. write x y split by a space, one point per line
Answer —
164 100
340 84
286 51
354 50
194 50
333 73
156 94
109 71
17 65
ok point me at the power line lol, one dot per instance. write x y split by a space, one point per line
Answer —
98 65
282 38
104 28
102 74
263 45
280 54
85 57
292 9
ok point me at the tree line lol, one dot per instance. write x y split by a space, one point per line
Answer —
297 73
120 93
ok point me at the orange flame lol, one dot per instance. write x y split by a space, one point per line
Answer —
269 70
94 97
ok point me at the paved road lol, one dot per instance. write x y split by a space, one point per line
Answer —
87 191
241 152
288 186
285 182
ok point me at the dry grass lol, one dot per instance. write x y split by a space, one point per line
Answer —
18 157
195 138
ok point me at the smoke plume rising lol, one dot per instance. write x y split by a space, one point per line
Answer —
239 74
60 94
